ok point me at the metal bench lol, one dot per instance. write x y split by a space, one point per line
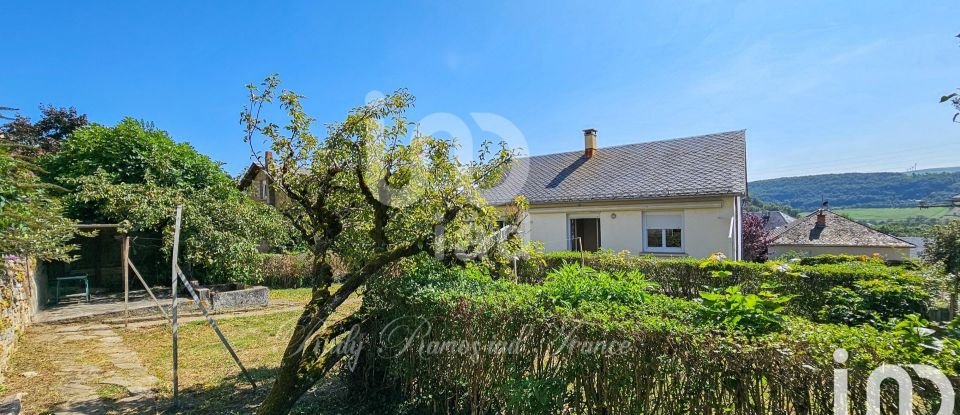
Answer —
74 277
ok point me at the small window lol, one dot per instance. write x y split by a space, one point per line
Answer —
663 232
265 191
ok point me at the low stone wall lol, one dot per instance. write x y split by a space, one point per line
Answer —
20 299
250 297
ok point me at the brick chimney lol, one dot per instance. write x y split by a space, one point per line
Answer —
267 159
821 218
589 142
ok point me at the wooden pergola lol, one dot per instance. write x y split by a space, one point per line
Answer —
126 265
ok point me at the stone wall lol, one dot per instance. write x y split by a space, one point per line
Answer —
20 298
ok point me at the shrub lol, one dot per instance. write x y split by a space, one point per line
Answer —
570 285
135 174
286 270
887 291
673 362
752 314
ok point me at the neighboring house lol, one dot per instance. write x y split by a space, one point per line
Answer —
673 197
773 219
918 243
258 184
825 232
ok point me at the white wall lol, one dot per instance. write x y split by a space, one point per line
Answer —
706 225
549 228
895 254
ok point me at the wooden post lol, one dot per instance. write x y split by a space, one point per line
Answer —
147 287
124 260
580 244
173 292
216 329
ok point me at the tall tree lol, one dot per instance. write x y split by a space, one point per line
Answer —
755 239
47 134
31 220
364 193
943 248
132 172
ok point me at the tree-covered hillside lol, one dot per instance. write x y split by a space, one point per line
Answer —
857 189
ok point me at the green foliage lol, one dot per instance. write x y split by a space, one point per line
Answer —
293 270
286 270
857 190
673 359
883 291
754 204
31 220
137 175
916 337
45 135
840 259
943 247
570 285
752 314
132 152
373 193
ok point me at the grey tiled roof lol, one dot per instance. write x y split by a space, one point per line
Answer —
919 244
712 164
773 219
839 231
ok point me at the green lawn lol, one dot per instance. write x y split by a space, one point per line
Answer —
209 379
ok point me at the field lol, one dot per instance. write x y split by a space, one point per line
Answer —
894 214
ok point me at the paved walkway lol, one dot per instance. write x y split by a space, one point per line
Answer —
85 377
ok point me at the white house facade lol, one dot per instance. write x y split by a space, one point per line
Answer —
679 197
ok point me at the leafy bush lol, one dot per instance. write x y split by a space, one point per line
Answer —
752 314
31 219
286 270
571 285
885 291
673 360
845 307
838 259
134 174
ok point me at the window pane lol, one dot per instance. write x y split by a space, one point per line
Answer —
655 238
674 238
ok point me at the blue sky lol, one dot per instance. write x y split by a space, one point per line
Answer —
820 87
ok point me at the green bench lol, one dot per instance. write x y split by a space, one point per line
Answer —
74 277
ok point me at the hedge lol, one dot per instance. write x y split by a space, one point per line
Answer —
494 346
808 281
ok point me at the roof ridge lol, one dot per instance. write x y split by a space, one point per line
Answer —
803 222
720 133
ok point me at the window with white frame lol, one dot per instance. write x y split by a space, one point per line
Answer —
663 232
265 191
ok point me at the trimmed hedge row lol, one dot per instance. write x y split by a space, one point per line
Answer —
888 291
466 343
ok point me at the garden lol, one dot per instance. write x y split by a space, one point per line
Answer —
628 334
403 303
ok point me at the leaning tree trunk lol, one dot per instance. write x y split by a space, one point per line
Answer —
302 366
305 361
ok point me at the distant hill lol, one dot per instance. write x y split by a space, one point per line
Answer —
937 170
858 190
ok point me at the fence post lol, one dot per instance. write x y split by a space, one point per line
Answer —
173 292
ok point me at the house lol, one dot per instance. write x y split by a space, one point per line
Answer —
918 242
825 232
773 219
258 184
677 197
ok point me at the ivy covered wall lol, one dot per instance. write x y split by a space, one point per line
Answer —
19 301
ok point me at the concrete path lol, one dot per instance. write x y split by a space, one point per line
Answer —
86 378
